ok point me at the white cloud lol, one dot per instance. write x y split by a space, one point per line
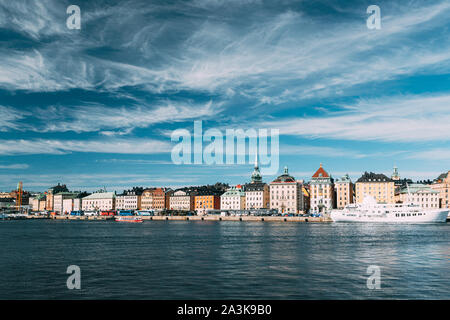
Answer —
436 154
119 146
91 118
393 119
14 166
273 58
9 118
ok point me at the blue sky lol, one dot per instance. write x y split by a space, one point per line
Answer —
95 107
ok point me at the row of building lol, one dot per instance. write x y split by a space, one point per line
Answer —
284 194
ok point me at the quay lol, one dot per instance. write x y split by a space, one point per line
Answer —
90 218
237 218
193 218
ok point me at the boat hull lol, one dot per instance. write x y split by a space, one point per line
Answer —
129 219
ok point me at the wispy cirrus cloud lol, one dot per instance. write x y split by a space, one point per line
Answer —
92 118
290 56
391 119
14 166
59 147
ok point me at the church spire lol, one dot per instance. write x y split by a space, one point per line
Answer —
256 175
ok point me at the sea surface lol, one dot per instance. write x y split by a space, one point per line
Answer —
223 260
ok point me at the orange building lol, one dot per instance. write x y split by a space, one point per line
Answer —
207 202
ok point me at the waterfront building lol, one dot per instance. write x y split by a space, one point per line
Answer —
67 206
182 200
99 201
62 198
233 199
344 191
256 192
322 192
379 186
77 204
130 200
208 200
51 192
156 199
38 202
257 196
420 194
442 185
286 194
4 195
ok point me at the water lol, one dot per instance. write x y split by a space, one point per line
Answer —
223 260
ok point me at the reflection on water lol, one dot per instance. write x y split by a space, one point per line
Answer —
223 260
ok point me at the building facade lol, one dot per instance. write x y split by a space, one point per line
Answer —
442 185
156 199
420 194
322 193
99 201
344 192
257 196
379 186
60 198
286 194
233 199
182 200
128 201
207 201
38 202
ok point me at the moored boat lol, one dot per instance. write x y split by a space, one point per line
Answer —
371 211
132 219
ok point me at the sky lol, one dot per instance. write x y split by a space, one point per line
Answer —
96 107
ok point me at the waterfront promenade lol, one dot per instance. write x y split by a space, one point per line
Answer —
198 218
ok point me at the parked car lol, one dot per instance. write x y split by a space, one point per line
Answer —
91 213
76 213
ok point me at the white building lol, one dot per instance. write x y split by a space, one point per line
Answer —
128 201
322 191
99 201
286 194
182 200
233 199
67 206
257 196
420 194
63 197
77 204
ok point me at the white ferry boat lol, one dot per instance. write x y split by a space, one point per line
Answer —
371 211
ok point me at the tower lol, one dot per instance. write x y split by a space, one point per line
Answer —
256 175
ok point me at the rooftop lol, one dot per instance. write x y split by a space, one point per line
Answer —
285 177
374 177
101 195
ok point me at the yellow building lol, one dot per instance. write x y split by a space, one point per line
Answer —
204 202
376 185
442 185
